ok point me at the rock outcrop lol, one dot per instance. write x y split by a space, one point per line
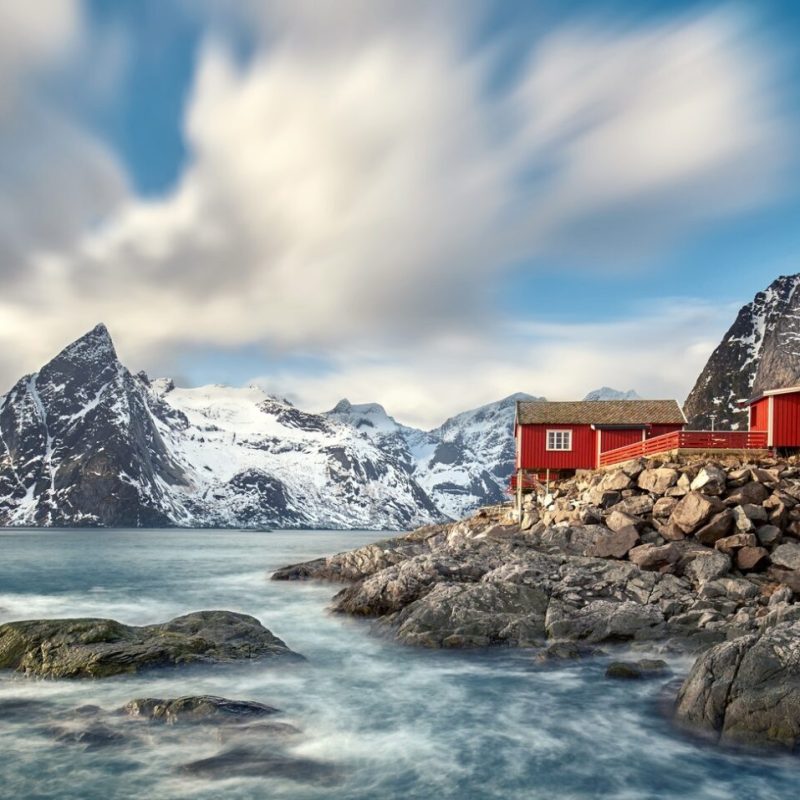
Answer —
747 691
676 567
99 648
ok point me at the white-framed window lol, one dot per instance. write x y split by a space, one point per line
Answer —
559 440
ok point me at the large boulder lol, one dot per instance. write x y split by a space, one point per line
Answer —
652 557
197 708
746 691
710 480
97 648
474 615
787 556
614 544
615 481
716 528
706 565
638 505
658 480
749 559
753 493
694 510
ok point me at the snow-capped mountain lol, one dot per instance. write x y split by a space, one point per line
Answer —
761 350
80 443
463 464
86 442
607 393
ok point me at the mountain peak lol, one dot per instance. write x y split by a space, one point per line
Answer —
607 393
342 407
94 346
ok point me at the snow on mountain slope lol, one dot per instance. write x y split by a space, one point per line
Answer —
255 459
80 445
607 393
463 464
85 442
466 462
761 350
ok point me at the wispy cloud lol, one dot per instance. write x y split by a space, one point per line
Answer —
360 191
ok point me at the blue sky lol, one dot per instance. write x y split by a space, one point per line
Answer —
430 207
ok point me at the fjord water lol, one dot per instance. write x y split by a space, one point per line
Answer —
398 722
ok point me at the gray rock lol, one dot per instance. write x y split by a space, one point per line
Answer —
658 480
716 528
617 520
755 513
97 648
730 544
710 480
614 544
616 481
787 556
664 506
247 761
741 522
768 535
637 505
636 670
604 620
746 691
753 493
650 557
707 565
476 615
694 510
751 558
197 708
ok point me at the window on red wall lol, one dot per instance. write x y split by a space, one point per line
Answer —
559 440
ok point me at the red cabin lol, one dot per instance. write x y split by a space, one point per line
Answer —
564 437
777 413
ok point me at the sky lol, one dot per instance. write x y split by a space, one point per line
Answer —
427 205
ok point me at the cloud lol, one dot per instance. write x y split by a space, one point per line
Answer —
355 189
57 179
658 353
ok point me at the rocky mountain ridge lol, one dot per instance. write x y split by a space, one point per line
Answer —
761 350
86 442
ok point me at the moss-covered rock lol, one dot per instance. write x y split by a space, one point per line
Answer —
99 648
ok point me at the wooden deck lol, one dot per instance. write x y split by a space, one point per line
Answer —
688 441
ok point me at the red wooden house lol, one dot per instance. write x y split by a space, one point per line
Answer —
776 412
564 437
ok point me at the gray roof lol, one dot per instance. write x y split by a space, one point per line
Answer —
601 412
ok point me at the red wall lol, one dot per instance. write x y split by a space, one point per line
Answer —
786 422
533 452
759 415
660 430
619 438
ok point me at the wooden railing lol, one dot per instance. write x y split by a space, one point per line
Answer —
687 440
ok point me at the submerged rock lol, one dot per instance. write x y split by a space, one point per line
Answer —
98 648
199 708
636 670
264 762
746 691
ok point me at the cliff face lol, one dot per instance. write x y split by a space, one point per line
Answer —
761 350
80 444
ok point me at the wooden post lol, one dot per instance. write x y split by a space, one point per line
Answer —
547 481
519 495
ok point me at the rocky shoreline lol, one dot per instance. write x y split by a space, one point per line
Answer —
690 556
